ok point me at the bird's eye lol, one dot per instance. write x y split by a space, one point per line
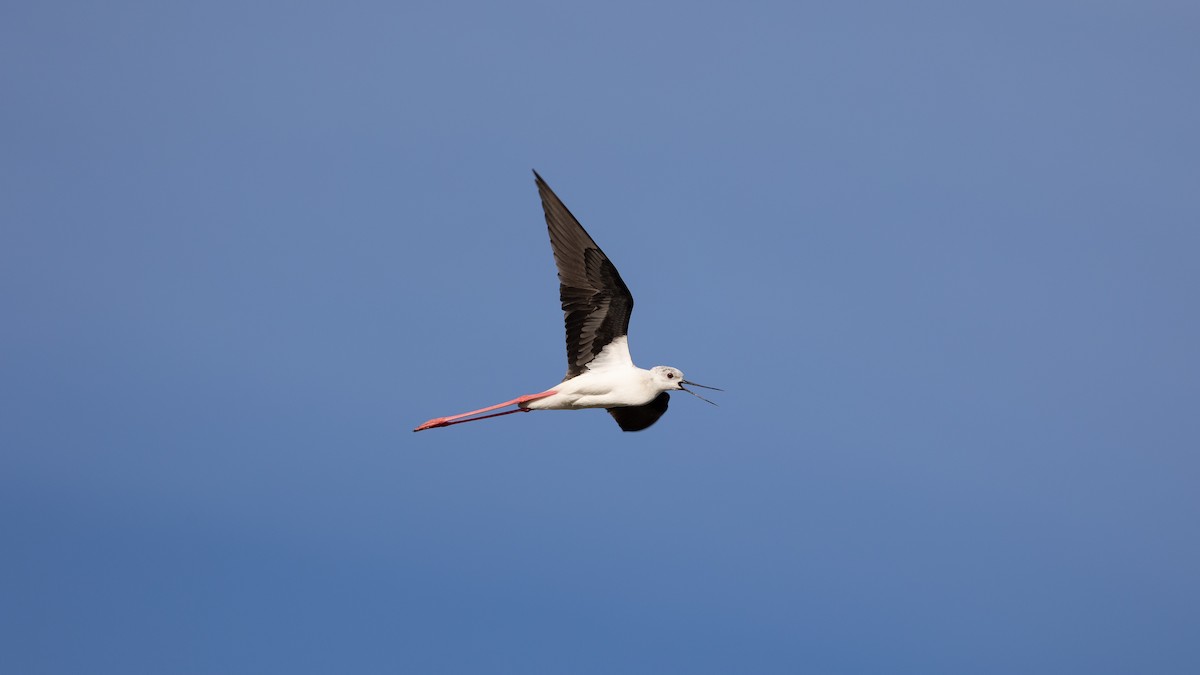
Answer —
670 376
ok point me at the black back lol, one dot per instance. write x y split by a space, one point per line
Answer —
638 417
596 303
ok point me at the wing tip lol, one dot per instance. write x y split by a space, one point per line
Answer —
546 192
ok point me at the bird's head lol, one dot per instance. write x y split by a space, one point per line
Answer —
667 378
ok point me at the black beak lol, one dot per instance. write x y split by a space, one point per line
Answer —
683 382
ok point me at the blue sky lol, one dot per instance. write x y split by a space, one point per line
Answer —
941 256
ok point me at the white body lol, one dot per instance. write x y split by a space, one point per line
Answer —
610 381
609 388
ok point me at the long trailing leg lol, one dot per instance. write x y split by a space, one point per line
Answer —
449 421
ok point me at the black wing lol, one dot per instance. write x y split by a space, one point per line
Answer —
638 417
596 303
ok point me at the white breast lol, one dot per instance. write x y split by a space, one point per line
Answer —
605 388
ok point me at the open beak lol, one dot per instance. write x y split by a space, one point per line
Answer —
683 382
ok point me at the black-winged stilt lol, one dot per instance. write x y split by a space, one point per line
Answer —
596 305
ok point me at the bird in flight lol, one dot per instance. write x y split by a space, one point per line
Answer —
596 306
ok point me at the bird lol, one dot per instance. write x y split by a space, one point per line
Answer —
596 306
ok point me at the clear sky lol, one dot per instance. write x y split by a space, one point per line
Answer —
942 256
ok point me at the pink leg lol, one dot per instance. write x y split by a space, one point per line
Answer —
446 421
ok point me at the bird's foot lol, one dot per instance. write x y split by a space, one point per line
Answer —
433 424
